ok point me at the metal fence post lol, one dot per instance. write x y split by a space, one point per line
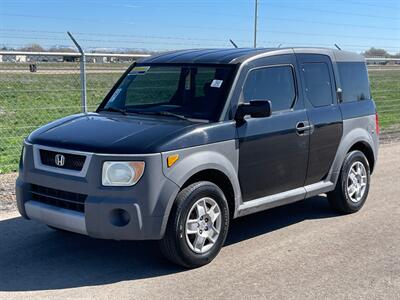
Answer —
82 65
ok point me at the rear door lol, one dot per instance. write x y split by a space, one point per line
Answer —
319 91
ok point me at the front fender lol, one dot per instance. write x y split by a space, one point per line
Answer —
222 156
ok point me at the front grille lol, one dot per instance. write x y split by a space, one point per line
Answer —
71 161
63 199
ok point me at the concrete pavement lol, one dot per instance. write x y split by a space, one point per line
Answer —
299 251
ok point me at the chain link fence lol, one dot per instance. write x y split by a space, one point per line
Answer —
37 88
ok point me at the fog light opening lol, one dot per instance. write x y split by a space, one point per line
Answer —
119 217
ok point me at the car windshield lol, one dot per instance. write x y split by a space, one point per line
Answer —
187 91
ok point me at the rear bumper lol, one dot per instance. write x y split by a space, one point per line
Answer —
139 212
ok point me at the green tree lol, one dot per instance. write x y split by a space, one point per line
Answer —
376 52
33 48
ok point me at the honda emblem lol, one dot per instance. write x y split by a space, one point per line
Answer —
59 160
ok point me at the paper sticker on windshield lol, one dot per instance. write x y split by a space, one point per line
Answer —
216 83
116 93
140 70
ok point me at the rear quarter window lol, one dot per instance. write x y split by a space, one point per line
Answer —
354 81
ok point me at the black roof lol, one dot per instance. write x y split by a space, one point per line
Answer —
238 55
214 56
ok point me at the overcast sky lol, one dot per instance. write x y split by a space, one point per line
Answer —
170 24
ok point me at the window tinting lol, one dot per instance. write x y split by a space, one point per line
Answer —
317 84
354 81
272 83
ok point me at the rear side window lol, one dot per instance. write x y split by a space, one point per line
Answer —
317 84
354 81
275 84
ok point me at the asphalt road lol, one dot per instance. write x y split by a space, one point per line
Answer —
299 251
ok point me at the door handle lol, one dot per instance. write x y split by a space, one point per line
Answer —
304 127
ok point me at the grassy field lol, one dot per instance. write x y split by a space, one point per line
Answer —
385 87
29 100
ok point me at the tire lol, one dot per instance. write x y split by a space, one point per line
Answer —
343 199
179 244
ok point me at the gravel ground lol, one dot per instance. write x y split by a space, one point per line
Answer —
7 192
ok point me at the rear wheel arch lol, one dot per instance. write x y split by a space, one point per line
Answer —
353 182
366 149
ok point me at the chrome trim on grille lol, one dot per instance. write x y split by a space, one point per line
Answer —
57 217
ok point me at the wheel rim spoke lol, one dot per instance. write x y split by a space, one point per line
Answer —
358 194
213 238
201 208
191 226
199 242
363 180
358 169
214 212
351 190
215 230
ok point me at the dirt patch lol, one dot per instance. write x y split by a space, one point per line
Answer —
7 192
390 134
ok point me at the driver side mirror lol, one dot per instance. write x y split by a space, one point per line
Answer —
255 109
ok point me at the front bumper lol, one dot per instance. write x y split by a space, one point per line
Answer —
55 216
139 212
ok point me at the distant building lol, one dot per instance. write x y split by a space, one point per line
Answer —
44 58
97 59
20 58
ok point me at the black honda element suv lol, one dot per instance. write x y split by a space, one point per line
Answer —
187 141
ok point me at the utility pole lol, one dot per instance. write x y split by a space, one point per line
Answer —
255 23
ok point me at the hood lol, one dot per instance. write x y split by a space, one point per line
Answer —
117 134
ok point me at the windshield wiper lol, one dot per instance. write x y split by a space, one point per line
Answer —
162 113
114 109
159 113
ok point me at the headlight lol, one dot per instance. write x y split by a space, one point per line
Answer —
122 173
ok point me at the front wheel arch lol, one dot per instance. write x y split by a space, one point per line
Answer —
174 244
220 179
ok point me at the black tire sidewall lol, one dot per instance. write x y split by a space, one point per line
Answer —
351 158
205 189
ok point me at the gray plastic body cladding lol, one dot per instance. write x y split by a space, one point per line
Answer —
145 202
360 129
222 156
56 216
